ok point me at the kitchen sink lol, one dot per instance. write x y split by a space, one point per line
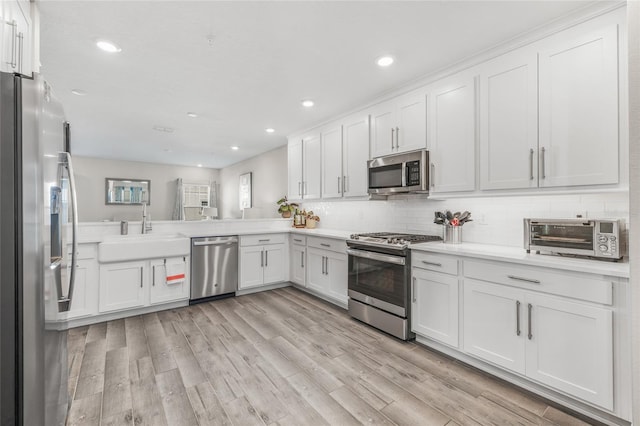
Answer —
122 248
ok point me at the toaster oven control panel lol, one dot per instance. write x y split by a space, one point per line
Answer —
607 240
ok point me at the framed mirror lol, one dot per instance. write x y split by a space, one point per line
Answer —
127 191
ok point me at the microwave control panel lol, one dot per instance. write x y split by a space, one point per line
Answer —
413 173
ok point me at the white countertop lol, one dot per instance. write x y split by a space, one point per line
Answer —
520 255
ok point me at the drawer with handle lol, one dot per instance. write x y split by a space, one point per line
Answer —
300 240
592 288
262 239
327 244
434 262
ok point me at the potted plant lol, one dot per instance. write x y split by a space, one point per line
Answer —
311 220
285 208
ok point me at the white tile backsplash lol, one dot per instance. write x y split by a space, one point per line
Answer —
497 220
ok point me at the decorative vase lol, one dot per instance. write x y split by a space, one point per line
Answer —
311 223
452 234
286 214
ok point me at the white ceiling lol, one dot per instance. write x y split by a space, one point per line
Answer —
264 59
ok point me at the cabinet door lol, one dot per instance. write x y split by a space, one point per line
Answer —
161 291
311 167
571 348
297 263
332 163
85 290
579 110
316 278
493 327
452 144
17 48
274 264
383 128
294 159
434 312
336 275
355 153
411 128
251 267
509 121
122 285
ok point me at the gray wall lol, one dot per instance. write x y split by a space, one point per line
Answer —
269 184
90 179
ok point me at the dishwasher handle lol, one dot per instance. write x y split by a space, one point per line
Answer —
215 243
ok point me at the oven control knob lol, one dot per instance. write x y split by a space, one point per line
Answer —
603 247
602 238
612 238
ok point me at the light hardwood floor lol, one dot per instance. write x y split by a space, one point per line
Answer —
278 357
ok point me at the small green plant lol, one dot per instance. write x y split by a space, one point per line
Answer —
286 208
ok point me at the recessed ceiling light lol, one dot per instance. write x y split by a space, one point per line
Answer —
108 46
307 103
78 92
235 148
199 165
192 114
269 130
384 61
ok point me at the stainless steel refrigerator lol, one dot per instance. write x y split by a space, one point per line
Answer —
38 224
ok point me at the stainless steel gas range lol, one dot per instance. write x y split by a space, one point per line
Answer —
379 280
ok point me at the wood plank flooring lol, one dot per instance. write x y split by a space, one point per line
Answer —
280 357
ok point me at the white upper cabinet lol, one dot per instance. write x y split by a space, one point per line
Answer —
399 125
509 121
17 38
355 154
332 184
579 109
345 152
303 155
452 123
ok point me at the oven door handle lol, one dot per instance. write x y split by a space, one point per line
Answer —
387 258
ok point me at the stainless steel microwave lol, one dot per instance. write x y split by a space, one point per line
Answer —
601 239
399 173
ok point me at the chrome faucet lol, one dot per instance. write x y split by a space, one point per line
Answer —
146 222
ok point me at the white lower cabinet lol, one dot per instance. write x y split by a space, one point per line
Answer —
434 310
328 268
263 260
297 262
555 341
162 291
129 285
85 290
122 285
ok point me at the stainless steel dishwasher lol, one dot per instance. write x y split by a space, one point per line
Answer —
214 267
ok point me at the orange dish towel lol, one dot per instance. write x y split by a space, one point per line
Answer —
175 273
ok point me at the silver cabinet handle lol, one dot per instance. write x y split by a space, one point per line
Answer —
262 258
413 289
542 163
141 276
517 317
266 240
266 258
297 240
527 280
322 265
397 138
325 245
20 51
300 189
432 178
339 186
531 164
326 265
345 187
153 274
432 263
302 259
529 307
392 133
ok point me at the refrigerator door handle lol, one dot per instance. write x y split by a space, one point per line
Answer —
64 303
